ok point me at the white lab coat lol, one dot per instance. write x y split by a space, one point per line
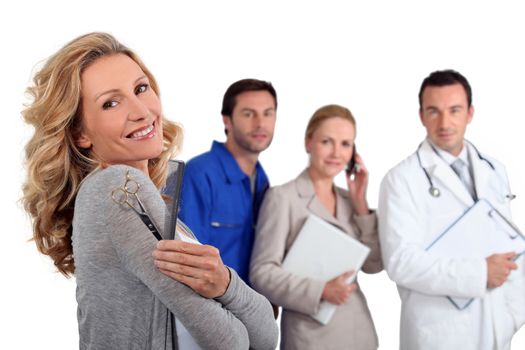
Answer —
409 220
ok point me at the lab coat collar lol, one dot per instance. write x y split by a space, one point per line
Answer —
442 174
449 158
305 189
482 171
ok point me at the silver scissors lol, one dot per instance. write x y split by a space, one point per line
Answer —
127 195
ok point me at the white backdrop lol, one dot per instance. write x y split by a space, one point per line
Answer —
368 56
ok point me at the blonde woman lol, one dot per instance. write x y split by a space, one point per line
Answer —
329 141
100 132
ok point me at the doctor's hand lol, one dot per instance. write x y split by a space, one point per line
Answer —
357 185
337 291
499 267
198 266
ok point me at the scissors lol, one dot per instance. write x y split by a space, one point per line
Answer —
127 195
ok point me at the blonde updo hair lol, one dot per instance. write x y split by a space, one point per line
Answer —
55 164
324 113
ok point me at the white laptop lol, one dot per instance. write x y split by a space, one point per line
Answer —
322 252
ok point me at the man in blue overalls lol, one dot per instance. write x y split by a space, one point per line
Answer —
223 188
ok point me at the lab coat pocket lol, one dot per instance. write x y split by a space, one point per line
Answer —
435 324
505 310
446 333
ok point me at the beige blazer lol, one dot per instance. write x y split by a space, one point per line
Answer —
283 213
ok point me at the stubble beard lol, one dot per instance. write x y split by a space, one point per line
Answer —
252 147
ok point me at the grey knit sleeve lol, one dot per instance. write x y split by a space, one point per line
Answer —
254 311
212 325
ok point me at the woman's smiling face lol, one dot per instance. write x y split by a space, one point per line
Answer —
331 146
121 114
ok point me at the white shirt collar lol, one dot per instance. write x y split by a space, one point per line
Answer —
448 157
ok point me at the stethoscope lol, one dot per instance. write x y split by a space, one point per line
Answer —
433 190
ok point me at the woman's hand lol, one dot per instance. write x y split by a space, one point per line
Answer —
357 185
198 266
337 291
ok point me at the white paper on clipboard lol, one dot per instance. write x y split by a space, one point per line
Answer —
480 232
322 251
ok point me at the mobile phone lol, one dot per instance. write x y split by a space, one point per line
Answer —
351 166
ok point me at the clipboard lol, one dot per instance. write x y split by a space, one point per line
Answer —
322 252
485 231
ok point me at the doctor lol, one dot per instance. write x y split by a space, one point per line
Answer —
419 199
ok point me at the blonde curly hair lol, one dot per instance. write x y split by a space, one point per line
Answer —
56 166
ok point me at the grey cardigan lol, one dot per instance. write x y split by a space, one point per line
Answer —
124 300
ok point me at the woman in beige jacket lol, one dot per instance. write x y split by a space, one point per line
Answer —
329 141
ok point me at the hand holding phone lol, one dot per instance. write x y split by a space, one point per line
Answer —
352 167
357 180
